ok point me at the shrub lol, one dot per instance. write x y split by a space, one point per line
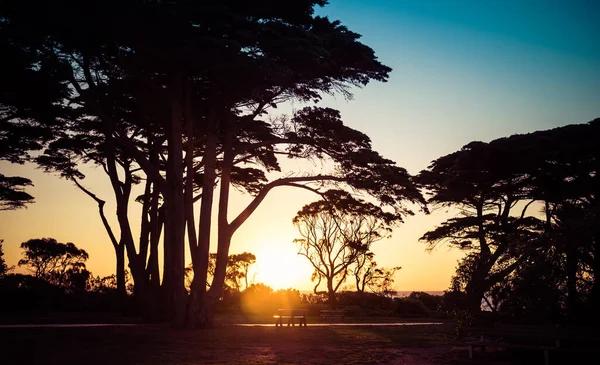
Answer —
408 307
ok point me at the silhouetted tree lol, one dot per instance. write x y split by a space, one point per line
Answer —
206 116
60 264
3 266
237 271
337 230
380 280
567 180
489 185
494 185
28 115
369 276
68 153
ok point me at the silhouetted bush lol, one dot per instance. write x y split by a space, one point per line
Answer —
453 302
364 300
407 307
26 293
432 302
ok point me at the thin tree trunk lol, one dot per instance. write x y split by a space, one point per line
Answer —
198 301
167 281
121 284
176 204
224 230
145 227
224 238
156 224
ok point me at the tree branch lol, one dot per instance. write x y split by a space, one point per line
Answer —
245 214
101 203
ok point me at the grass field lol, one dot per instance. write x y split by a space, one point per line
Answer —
229 344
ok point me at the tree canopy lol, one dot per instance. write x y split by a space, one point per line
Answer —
496 187
182 93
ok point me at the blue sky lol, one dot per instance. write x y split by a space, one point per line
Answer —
467 70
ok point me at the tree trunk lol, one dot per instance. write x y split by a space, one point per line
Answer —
120 273
153 270
224 230
474 298
176 204
206 312
156 224
196 312
331 294
167 282
475 288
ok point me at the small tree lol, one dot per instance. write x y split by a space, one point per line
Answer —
55 262
336 232
238 266
237 270
380 280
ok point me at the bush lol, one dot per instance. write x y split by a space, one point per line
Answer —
453 302
365 300
407 307
432 302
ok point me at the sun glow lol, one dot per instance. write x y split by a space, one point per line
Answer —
281 269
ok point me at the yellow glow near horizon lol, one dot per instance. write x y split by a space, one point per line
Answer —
63 212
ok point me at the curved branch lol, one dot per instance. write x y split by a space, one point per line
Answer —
525 208
101 203
245 214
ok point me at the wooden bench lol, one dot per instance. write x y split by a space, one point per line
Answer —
544 338
290 315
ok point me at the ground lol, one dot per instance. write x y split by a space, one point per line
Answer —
230 344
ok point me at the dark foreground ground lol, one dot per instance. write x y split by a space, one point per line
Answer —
228 344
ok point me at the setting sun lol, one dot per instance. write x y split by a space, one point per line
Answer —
274 267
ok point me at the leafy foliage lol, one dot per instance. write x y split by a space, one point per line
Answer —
12 195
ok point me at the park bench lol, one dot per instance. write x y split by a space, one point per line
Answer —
536 338
330 313
290 315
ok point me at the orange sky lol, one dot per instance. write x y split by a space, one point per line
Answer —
63 212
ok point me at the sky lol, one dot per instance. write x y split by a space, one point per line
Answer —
462 71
